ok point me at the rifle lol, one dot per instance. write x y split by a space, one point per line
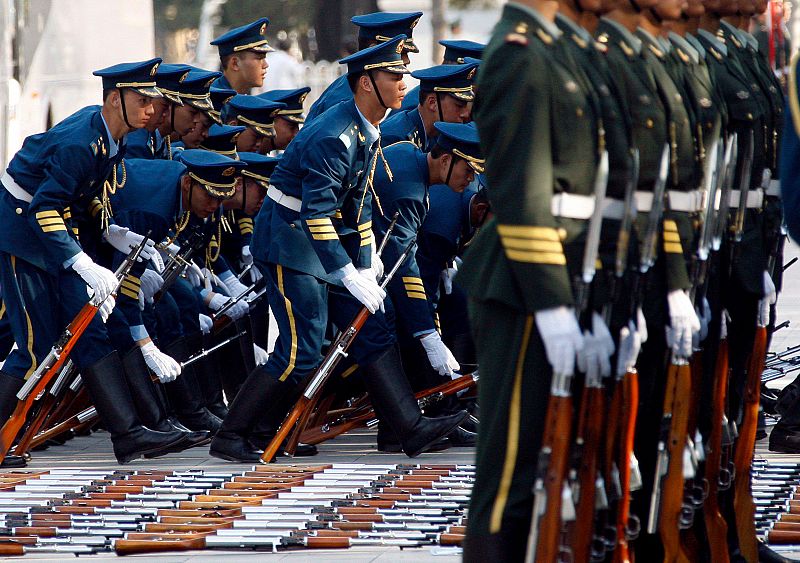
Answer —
337 351
178 261
51 365
588 486
550 487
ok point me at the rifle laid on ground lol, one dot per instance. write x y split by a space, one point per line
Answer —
51 365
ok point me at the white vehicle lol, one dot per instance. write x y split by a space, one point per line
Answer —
48 50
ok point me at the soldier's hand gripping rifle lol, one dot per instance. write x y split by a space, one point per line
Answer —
178 261
51 365
338 350
552 497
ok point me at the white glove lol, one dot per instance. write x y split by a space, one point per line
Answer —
125 240
630 343
234 286
255 274
206 324
215 301
704 314
247 257
151 283
363 288
157 262
239 310
100 280
165 367
439 355
260 354
106 307
641 325
212 280
683 323
769 299
194 274
376 264
561 336
447 276
598 347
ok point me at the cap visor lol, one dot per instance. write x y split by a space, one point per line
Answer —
399 69
262 49
264 131
202 104
215 116
477 167
150 92
464 96
294 118
410 47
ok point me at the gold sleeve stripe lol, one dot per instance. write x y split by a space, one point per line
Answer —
365 226
132 279
129 293
670 225
414 285
51 221
337 215
412 279
245 221
673 248
321 221
47 214
528 244
550 258
366 241
524 231
325 236
671 236
246 231
54 228
417 295
323 229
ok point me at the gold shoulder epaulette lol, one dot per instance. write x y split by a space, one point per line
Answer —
684 57
629 52
546 38
656 51
600 46
717 54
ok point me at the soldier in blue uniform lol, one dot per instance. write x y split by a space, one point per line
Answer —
44 270
447 96
288 119
453 161
313 243
255 113
456 51
219 97
243 55
373 29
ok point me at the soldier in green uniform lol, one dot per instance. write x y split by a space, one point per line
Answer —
518 271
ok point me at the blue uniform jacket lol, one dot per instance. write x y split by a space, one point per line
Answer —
143 144
338 91
63 169
405 126
407 195
222 83
326 166
790 157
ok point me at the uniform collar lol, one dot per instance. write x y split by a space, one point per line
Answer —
714 40
371 132
685 45
692 40
634 42
750 39
546 24
564 22
416 116
113 146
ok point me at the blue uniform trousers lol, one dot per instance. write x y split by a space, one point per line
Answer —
302 305
189 304
39 307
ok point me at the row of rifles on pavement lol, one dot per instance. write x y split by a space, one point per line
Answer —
589 499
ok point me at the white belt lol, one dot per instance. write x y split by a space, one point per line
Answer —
572 206
686 202
290 202
755 199
615 208
13 188
644 201
774 188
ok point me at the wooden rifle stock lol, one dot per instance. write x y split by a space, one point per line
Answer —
745 445
629 405
716 526
133 547
71 423
552 469
676 402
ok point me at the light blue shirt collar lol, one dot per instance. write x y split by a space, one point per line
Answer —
113 146
685 45
371 133
549 26
692 40
633 41
720 46
575 28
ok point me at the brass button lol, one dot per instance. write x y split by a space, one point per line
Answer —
649 124
579 112
19 210
750 116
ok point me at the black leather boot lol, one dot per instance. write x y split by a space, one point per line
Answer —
207 376
389 444
259 396
185 396
111 396
149 406
391 393
9 387
784 439
266 428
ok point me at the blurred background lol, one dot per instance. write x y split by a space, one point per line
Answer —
48 48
